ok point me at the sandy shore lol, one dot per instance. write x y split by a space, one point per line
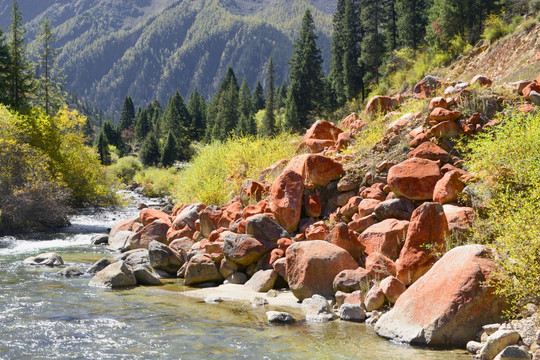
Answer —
234 292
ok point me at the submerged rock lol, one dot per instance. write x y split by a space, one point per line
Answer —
116 275
277 317
71 271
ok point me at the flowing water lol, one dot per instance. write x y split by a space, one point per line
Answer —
45 316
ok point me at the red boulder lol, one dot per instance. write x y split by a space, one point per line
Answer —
385 237
286 199
414 179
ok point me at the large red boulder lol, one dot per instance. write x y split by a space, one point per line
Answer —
532 86
286 199
414 179
360 224
425 238
154 231
427 86
446 130
313 265
316 170
320 135
449 304
439 114
133 224
430 151
385 237
392 288
380 266
448 188
148 216
381 104
346 239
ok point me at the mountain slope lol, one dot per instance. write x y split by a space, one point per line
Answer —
151 48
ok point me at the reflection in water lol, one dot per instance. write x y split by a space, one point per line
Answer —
46 316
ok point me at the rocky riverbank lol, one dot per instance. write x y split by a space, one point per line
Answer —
355 238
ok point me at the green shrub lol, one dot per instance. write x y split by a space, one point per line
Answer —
508 160
218 169
157 182
125 168
495 28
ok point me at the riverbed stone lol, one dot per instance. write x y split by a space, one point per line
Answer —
351 312
71 271
262 280
201 269
513 353
98 266
262 227
133 224
164 258
313 265
116 275
279 317
449 304
46 259
317 309
145 276
236 278
474 346
497 342
350 280
134 257
374 298
149 215
243 249
99 239
120 241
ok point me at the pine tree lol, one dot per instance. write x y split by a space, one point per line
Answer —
149 153
143 125
170 151
268 127
4 69
258 97
246 124
50 82
306 73
20 69
281 95
197 110
372 46
292 118
176 118
223 112
412 18
127 115
102 147
390 26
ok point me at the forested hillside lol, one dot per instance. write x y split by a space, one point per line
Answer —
151 48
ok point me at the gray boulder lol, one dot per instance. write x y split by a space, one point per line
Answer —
100 239
71 271
116 275
497 342
317 309
45 259
400 209
513 353
145 276
262 280
201 269
278 317
262 227
236 278
164 258
134 257
245 249
99 265
352 312
120 241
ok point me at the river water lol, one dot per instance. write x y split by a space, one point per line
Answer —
46 316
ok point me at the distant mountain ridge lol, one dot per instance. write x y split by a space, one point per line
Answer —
150 48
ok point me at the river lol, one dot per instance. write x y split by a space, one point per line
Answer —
44 315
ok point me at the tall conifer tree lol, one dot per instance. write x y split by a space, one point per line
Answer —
246 124
149 154
4 69
258 97
197 110
306 74
176 118
268 127
170 151
412 18
372 46
127 114
50 82
20 69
